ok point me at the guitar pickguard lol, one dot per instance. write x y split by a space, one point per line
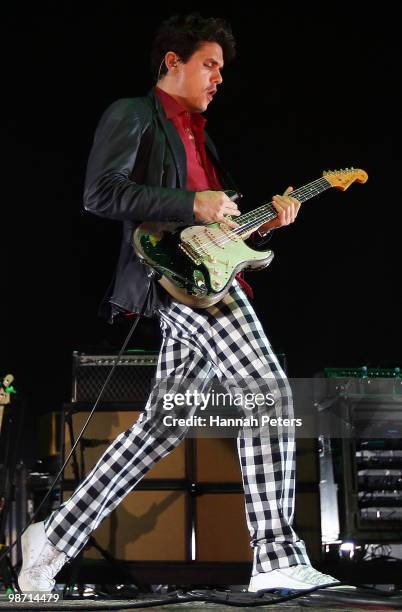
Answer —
199 261
223 252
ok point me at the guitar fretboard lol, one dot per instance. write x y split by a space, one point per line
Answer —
266 212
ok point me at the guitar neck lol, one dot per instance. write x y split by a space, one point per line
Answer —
257 217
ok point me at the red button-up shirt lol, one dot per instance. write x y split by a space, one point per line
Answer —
201 172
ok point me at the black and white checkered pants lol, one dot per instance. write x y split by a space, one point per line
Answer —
227 342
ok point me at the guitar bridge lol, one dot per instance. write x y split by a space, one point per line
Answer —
191 253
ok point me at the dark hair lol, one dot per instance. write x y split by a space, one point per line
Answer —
185 34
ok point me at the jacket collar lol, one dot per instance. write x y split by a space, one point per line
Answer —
174 140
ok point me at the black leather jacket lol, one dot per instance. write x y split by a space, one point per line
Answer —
137 172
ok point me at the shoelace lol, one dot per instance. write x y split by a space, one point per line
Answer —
52 560
56 561
50 570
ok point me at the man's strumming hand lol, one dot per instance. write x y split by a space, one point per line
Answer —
215 207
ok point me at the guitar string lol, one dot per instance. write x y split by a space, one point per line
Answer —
266 212
305 192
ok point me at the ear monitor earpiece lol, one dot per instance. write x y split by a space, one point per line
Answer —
174 65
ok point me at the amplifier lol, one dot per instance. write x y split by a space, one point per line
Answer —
131 381
361 464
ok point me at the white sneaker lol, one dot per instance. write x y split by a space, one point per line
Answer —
295 578
41 561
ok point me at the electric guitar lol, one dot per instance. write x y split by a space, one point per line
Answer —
196 264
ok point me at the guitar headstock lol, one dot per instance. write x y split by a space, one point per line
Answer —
342 179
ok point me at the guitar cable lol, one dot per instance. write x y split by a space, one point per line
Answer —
151 275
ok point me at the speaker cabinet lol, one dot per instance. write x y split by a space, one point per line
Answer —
146 526
216 460
221 529
104 427
201 494
307 521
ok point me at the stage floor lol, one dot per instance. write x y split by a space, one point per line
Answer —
338 598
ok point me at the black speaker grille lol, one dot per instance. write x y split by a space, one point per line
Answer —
131 380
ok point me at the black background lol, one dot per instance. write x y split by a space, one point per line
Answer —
308 91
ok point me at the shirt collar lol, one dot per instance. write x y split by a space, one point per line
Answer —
173 109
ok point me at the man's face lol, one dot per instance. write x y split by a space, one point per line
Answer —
198 78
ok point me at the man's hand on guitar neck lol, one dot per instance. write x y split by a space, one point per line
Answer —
287 209
215 207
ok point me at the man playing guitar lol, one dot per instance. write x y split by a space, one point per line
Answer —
153 161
